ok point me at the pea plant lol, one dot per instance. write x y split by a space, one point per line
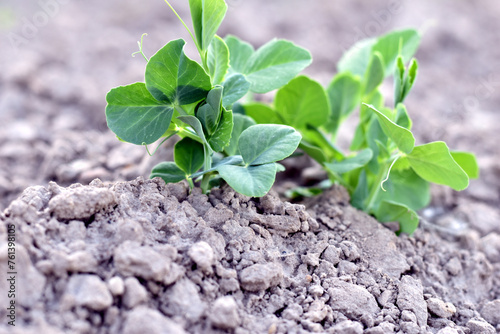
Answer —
194 100
385 172
227 136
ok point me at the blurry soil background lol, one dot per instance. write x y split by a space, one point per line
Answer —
142 257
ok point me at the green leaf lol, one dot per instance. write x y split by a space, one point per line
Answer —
253 181
189 155
209 113
434 163
375 73
403 79
235 87
173 78
402 117
196 125
241 123
349 164
402 137
316 137
407 188
356 59
412 74
275 64
222 135
218 60
232 160
390 211
399 81
239 54
207 15
265 143
344 94
262 113
467 161
313 151
361 192
135 116
393 44
301 102
168 171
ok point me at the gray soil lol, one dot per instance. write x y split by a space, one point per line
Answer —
121 256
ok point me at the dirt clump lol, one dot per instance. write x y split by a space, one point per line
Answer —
109 256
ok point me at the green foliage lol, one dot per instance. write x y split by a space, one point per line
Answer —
195 101
386 173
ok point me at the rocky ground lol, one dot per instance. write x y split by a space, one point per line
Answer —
102 258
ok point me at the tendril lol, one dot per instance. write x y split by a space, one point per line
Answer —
140 48
388 173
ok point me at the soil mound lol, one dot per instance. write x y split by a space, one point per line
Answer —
145 257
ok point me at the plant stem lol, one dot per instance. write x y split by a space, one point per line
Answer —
189 31
204 182
376 187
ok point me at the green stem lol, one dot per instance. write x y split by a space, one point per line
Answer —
336 177
204 183
185 26
376 187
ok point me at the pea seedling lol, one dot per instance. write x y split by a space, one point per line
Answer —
194 101
386 174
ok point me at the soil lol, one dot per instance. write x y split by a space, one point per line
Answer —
121 256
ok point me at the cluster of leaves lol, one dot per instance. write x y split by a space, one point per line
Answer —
386 174
224 138
194 101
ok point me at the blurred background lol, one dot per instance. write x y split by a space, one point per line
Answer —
59 58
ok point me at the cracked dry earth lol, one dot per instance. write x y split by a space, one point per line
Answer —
145 257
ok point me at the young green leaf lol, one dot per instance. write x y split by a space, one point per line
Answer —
265 143
403 79
407 188
314 136
375 73
301 102
275 64
434 163
173 78
222 135
356 59
402 137
239 54
349 164
189 155
218 60
390 211
313 151
196 125
468 163
135 116
235 87
402 117
240 123
253 181
262 113
361 193
207 15
231 160
209 113
394 44
344 94
399 80
168 171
